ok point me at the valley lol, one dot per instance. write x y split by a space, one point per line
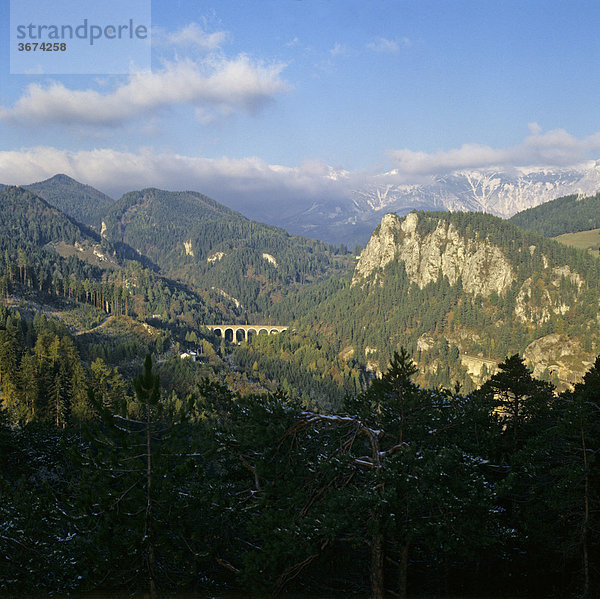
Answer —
460 291
451 350
300 300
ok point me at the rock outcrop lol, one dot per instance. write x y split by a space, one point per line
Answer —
558 355
550 300
480 265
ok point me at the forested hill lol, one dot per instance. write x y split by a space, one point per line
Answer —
48 259
569 214
27 217
461 291
201 242
134 217
82 202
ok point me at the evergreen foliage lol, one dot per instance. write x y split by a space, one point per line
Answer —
555 290
297 469
255 492
203 243
81 202
569 214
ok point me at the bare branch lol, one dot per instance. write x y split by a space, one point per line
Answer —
253 470
295 570
227 565
392 450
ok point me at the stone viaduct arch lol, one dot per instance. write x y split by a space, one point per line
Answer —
236 333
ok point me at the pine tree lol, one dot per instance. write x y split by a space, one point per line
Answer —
120 484
576 471
521 406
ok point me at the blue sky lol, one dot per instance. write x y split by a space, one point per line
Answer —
313 98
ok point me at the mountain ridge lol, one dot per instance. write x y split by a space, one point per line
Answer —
82 202
499 191
350 219
568 214
210 246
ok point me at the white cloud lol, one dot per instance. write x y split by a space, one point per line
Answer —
225 84
190 35
384 45
261 190
339 50
554 148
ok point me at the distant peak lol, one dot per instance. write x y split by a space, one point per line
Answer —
61 177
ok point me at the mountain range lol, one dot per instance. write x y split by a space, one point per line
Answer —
501 192
351 219
396 370
458 289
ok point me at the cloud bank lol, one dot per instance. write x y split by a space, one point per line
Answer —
258 188
556 148
213 82
248 183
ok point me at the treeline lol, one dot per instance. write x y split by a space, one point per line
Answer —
44 379
116 285
404 490
39 274
130 290
25 216
82 202
569 214
47 373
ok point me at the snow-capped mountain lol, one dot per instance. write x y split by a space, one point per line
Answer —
502 192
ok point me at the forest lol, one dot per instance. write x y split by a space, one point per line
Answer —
568 214
353 454
113 483
554 290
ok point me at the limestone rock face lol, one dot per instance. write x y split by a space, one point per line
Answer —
381 249
481 265
559 355
475 367
188 248
216 257
270 258
549 301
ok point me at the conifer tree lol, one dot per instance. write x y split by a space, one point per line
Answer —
120 485
521 408
576 472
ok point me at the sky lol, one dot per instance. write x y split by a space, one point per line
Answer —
302 99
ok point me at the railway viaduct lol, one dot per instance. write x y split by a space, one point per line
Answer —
237 333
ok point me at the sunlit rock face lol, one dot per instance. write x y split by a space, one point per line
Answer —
480 265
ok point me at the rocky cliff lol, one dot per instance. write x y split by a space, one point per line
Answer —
481 266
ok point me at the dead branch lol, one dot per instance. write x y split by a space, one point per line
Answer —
253 470
295 570
227 565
